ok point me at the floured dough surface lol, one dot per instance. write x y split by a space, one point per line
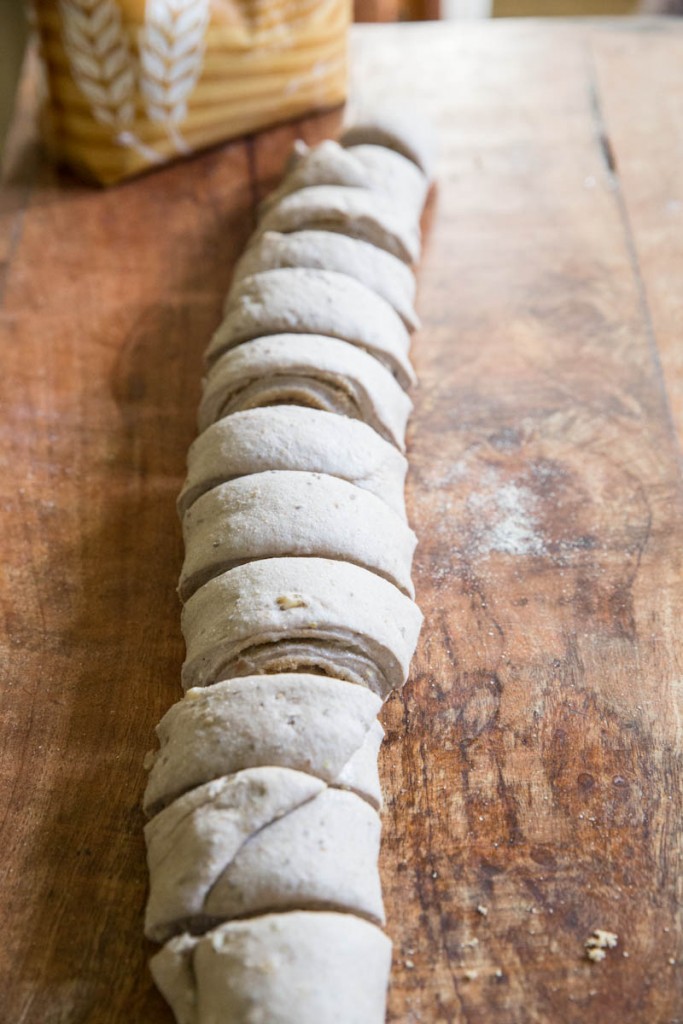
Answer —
398 177
313 724
378 270
407 133
294 968
310 370
328 163
300 614
285 513
391 175
261 839
322 302
294 438
356 212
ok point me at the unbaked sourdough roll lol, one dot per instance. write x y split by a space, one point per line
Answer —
300 967
404 132
328 163
385 171
263 839
356 212
378 270
300 615
288 513
292 437
322 726
402 181
302 301
307 370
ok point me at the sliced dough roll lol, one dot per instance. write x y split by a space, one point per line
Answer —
386 170
378 270
296 968
325 727
328 163
300 615
261 840
404 132
383 170
293 437
309 370
279 513
301 301
356 212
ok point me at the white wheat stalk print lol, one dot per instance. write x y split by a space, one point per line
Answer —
171 56
102 66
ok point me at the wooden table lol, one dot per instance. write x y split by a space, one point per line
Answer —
532 767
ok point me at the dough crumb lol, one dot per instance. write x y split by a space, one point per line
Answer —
482 910
286 601
603 939
471 975
596 944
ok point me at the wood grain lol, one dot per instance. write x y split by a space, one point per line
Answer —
532 766
645 129
396 10
562 8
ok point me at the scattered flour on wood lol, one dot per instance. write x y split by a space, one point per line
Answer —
504 518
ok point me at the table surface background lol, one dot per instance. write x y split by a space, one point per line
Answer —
532 764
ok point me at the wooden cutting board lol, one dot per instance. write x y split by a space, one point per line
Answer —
532 765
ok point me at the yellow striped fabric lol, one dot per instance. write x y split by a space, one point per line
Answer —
135 83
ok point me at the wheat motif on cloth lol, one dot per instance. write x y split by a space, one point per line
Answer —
172 46
102 66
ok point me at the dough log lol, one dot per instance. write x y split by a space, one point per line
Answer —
263 793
